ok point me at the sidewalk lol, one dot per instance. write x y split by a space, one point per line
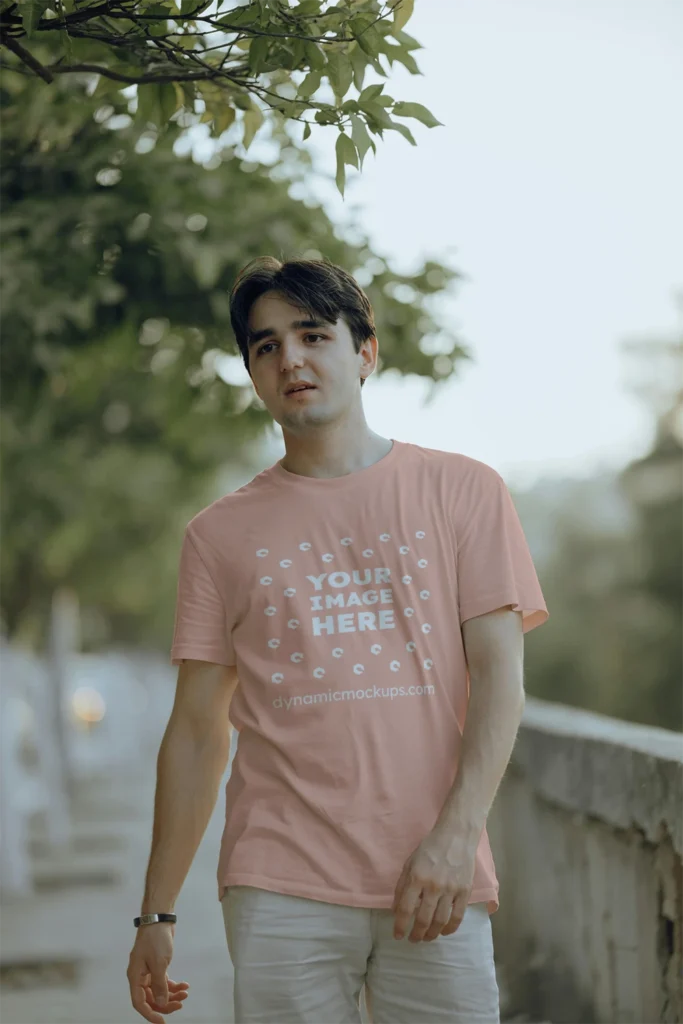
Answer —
83 911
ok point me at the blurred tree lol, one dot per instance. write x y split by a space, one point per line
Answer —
117 352
654 485
228 64
615 589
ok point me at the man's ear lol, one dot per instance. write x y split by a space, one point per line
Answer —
372 351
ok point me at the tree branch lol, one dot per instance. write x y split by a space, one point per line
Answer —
117 76
27 58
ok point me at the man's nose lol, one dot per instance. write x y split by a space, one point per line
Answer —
291 355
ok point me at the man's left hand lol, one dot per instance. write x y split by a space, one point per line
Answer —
436 881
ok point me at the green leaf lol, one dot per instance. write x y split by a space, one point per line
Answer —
405 132
307 8
346 148
417 111
361 138
370 40
407 60
157 103
340 74
359 64
315 56
310 84
403 10
168 102
406 41
253 119
370 94
307 130
241 17
224 118
258 54
148 104
31 13
340 176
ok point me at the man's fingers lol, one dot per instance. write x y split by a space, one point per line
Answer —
406 909
441 918
170 1006
140 1003
455 920
424 917
160 989
177 986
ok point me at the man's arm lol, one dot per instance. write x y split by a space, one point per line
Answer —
494 648
442 866
192 758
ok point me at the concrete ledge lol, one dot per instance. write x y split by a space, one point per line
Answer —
624 774
587 837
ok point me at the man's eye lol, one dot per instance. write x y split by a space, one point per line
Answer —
316 336
263 348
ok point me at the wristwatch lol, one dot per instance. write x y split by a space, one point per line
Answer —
153 919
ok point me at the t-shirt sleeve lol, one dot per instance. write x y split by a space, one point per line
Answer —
202 629
494 564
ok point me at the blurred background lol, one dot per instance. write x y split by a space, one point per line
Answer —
525 263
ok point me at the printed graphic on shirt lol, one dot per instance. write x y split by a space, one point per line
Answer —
340 621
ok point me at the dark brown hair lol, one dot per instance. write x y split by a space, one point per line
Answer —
320 287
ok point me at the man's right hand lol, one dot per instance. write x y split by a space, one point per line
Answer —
151 990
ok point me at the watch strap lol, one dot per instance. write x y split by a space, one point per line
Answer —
154 919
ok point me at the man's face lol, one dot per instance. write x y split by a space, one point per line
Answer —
288 348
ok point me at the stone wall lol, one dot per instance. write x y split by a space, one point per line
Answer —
587 835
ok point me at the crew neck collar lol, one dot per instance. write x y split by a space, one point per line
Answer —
330 483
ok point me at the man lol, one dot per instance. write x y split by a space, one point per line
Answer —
357 613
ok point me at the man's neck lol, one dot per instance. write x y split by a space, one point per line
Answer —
334 455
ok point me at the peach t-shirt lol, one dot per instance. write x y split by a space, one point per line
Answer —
340 602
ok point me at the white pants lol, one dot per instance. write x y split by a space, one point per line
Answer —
302 961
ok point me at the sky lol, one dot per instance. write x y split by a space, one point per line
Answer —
555 188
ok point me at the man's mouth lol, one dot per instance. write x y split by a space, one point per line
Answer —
295 388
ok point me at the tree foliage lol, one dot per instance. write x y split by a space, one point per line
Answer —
117 353
234 67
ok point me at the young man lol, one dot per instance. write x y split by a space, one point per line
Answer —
357 613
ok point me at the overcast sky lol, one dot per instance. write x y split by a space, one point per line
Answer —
555 186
